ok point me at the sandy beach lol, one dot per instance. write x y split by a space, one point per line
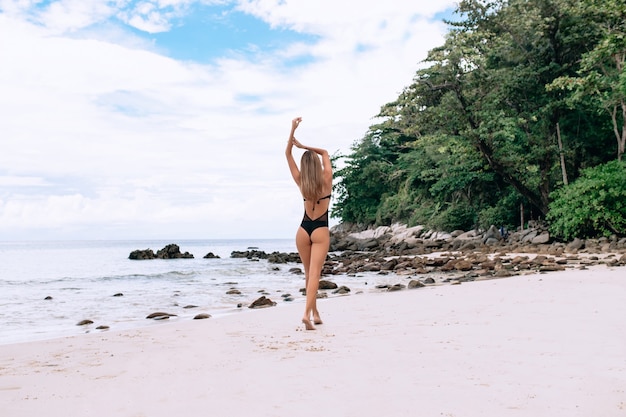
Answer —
534 345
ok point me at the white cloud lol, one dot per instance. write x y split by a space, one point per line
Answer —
130 143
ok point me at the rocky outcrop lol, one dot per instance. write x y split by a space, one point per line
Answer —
398 239
171 251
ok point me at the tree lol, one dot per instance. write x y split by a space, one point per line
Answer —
602 73
595 204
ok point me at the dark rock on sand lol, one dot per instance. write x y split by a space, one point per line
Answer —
233 292
159 315
84 322
202 316
342 290
261 302
396 287
327 285
48 298
102 327
415 284
211 255
119 294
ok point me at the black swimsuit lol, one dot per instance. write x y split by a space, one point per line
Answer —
309 225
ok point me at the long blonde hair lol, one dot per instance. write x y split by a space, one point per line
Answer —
311 177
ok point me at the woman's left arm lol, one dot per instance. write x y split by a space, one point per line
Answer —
293 167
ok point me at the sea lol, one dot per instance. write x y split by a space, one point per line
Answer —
48 287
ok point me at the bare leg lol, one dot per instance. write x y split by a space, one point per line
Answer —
313 251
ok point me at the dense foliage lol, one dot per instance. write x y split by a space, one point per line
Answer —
594 205
522 96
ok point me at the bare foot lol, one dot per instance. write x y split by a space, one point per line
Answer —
317 320
307 324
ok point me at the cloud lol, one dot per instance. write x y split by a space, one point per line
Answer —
106 137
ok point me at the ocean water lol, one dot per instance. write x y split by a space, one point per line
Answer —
83 277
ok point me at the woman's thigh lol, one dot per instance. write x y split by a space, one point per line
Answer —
320 239
303 244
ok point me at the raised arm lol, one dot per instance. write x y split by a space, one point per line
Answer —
293 167
328 169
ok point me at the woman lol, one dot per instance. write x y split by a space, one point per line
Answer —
315 180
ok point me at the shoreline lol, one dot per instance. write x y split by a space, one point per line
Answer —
365 280
538 344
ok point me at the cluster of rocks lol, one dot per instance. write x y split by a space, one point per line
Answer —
470 265
274 257
171 251
399 239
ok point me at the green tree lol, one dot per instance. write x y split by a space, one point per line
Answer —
475 133
602 73
594 204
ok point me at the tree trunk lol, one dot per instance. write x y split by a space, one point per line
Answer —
620 136
563 169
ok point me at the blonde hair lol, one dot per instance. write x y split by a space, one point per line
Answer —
311 178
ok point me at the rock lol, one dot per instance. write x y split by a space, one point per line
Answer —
102 327
141 254
541 239
172 251
463 265
551 268
283 258
503 273
159 315
429 281
211 255
202 316
492 233
262 302
575 245
492 241
119 294
342 290
233 292
415 284
396 287
530 235
48 298
190 306
295 270
84 322
327 285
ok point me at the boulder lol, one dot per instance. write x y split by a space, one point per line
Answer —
261 302
541 239
172 251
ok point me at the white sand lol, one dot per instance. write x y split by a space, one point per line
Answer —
536 345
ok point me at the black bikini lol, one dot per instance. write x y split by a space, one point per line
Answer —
309 225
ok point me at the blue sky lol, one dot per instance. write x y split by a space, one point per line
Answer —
168 118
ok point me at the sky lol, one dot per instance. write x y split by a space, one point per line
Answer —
168 119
